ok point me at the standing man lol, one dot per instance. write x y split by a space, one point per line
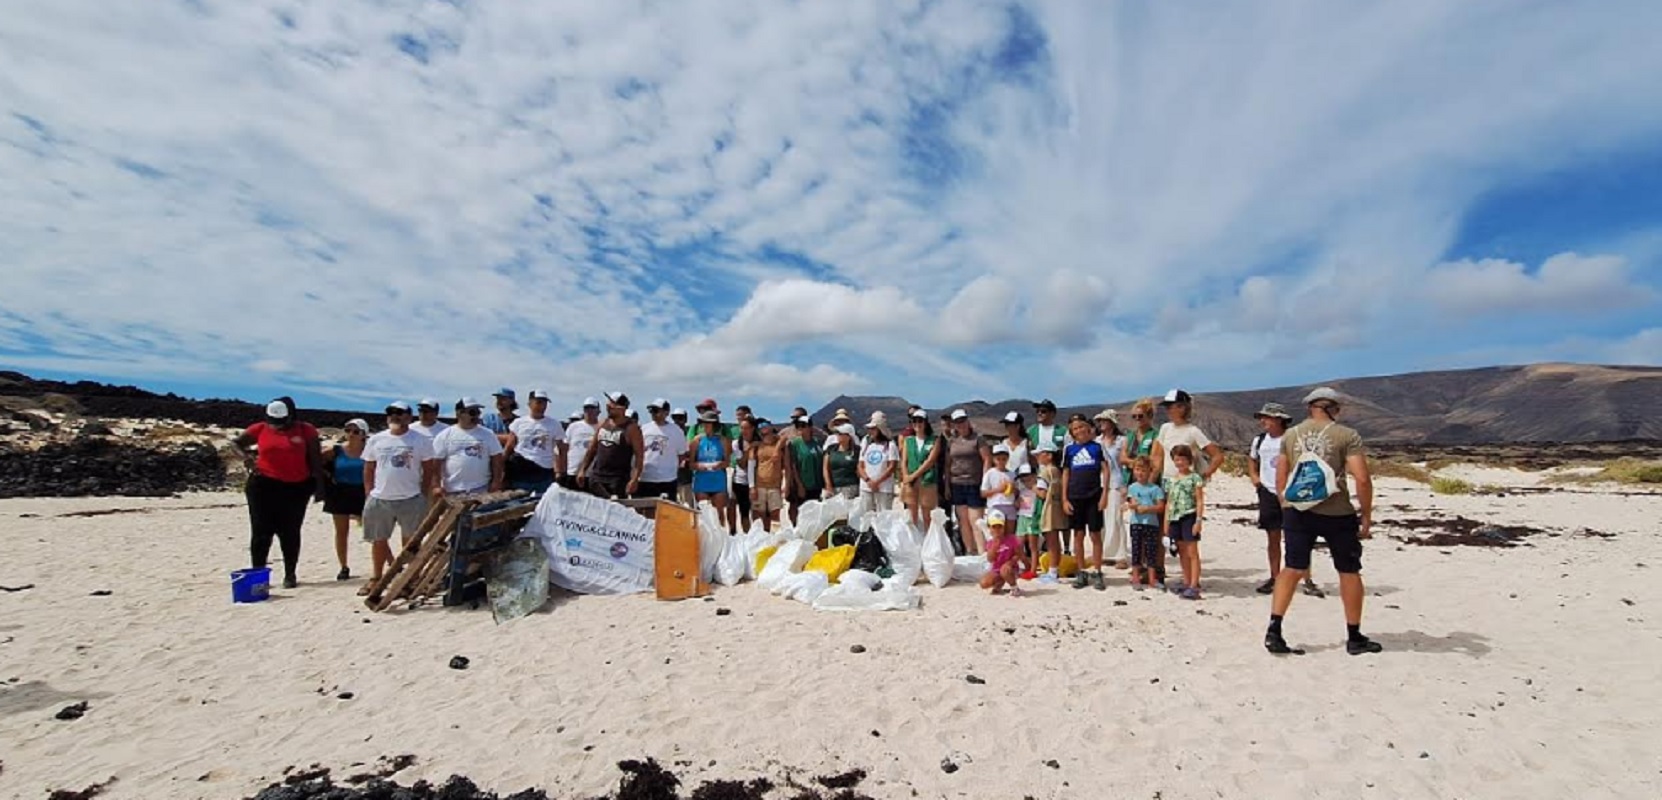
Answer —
579 437
469 456
612 467
1044 430
1335 519
684 474
399 473
498 421
536 447
795 430
427 419
666 446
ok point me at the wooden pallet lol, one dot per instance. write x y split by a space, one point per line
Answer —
419 570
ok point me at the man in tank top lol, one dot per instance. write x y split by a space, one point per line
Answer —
612 467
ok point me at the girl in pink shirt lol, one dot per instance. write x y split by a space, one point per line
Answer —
1004 557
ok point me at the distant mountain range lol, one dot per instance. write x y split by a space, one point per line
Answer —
1535 403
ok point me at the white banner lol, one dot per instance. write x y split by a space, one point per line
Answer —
594 546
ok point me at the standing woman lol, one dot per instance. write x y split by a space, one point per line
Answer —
344 500
711 454
920 454
967 460
612 467
878 459
287 470
1113 445
744 472
842 464
1015 438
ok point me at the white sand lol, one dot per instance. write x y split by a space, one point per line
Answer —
1508 673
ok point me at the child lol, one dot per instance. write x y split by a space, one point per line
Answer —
1185 512
1085 495
997 487
1003 557
1052 518
1030 506
1148 505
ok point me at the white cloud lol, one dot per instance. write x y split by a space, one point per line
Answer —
784 200
1566 283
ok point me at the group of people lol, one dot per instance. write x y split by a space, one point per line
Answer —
1104 493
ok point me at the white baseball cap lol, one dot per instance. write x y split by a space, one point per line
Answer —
1012 418
960 415
1001 449
589 402
470 402
679 412
845 429
618 397
358 423
538 394
277 409
428 402
398 405
995 518
1024 470
658 403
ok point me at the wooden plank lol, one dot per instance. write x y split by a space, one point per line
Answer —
489 519
411 547
675 552
396 582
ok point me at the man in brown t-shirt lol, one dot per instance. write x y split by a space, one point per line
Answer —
1343 524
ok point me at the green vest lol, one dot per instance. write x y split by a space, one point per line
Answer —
845 467
808 457
916 450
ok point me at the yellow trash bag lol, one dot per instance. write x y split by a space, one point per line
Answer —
832 561
762 557
1069 568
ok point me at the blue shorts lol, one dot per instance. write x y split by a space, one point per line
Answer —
1182 529
710 482
968 496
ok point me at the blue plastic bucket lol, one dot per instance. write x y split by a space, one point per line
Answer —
251 585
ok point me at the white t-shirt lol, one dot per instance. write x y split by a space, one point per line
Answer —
538 439
664 445
430 433
579 436
1000 481
398 461
1116 475
1018 452
466 457
1269 456
877 456
1172 435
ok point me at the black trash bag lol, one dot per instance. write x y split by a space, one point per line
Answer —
840 534
870 556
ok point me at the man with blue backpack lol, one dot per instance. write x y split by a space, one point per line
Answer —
1316 455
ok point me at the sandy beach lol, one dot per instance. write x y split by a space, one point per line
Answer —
1527 671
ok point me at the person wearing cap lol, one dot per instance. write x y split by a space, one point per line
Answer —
427 418
967 461
792 432
285 471
879 458
841 466
344 497
1264 456
470 456
998 484
399 474
1113 444
712 451
536 448
1005 562
767 489
1046 429
804 466
1181 429
612 467
920 453
579 436
666 448
1015 438
1341 519
497 421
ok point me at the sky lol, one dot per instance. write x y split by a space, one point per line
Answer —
777 202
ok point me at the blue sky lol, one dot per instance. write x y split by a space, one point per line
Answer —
776 203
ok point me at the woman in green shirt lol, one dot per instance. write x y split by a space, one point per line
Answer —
920 455
804 466
842 464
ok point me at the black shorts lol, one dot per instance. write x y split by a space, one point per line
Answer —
1269 510
344 498
967 496
1303 528
1182 529
647 490
608 487
1087 514
741 498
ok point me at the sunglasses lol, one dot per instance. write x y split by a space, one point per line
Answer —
354 432
1139 416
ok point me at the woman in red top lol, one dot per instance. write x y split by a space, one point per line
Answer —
285 473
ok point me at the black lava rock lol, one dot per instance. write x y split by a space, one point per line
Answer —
458 662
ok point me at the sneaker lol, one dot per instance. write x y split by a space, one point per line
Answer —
1310 588
291 582
1278 646
344 574
1191 593
1049 578
1081 579
1267 587
1362 646
1096 581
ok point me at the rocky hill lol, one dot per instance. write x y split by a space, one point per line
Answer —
1535 403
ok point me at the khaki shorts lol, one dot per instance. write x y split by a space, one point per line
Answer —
381 516
766 501
929 496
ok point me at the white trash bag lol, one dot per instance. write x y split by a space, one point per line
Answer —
969 569
804 587
937 551
791 557
902 542
712 539
860 578
730 568
890 596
